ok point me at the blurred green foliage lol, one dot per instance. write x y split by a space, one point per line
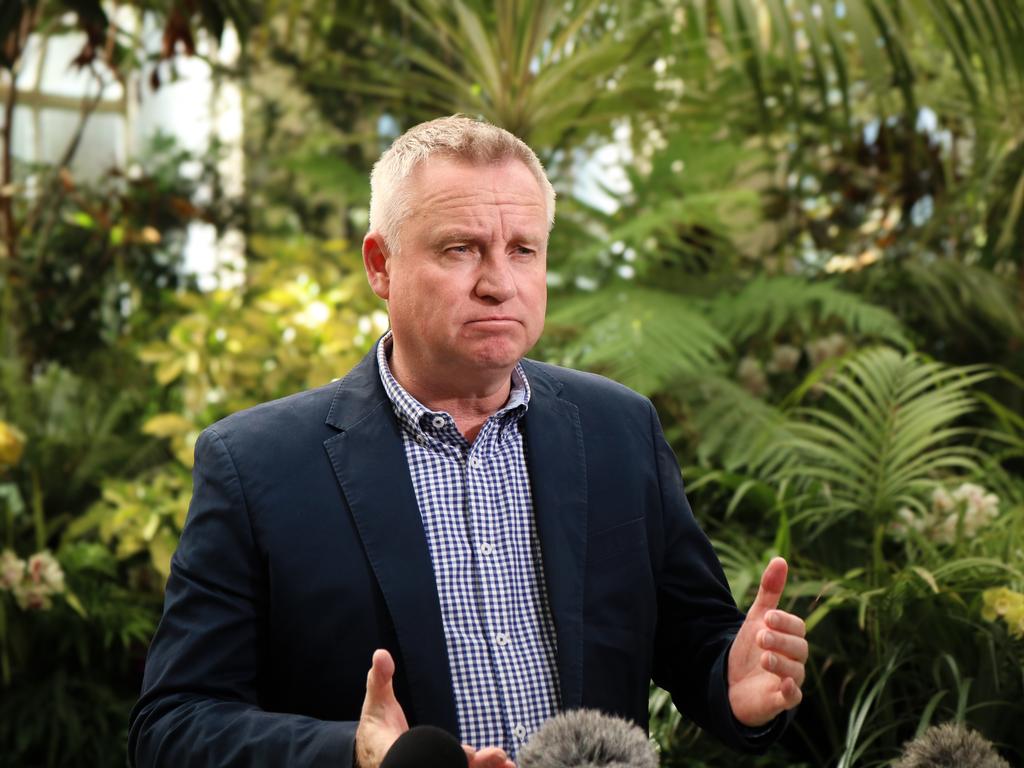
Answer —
813 263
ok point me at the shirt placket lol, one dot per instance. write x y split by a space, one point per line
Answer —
494 553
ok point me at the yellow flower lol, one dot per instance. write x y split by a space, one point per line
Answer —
1015 618
1005 603
997 600
12 444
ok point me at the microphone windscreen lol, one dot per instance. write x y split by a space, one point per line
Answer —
586 738
949 745
425 745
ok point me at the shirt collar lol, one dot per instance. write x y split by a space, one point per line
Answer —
411 412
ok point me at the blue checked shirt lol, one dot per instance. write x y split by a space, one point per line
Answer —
477 513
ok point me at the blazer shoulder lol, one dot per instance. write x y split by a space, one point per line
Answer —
276 419
584 387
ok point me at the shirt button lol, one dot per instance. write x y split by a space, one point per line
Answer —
438 422
475 462
486 548
421 439
501 639
519 732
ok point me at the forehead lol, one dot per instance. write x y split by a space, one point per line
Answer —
445 188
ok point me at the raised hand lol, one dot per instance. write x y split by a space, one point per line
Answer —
766 661
382 721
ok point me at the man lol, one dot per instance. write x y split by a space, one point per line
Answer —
496 539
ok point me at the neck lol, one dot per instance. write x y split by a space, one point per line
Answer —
470 400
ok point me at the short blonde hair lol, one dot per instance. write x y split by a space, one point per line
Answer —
457 137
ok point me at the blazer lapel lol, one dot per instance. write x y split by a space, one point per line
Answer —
558 479
369 460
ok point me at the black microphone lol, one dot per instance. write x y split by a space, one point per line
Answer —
586 738
425 747
950 745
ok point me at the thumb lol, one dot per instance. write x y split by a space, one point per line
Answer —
773 581
379 691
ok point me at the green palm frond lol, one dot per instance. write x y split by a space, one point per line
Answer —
956 299
541 69
643 338
890 431
788 50
736 430
766 305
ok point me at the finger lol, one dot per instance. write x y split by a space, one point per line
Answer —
783 667
773 581
490 757
786 622
787 645
378 680
791 693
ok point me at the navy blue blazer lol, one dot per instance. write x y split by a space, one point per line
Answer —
304 551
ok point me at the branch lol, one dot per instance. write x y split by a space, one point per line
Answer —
14 47
9 228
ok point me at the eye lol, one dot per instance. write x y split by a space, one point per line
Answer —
524 251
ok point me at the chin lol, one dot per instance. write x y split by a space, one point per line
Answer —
498 356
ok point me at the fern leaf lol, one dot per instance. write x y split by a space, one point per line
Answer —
736 430
642 338
890 429
766 305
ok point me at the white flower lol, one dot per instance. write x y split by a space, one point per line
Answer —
836 344
33 597
906 520
968 492
974 521
945 531
43 570
785 358
817 351
942 501
12 570
978 506
751 375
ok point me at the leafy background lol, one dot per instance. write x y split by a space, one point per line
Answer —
815 270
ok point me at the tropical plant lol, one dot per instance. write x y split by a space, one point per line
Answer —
811 262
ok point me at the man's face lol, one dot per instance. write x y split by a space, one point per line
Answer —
467 290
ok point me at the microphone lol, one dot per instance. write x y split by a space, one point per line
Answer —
949 745
425 745
586 738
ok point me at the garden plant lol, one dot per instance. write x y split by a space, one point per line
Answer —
797 226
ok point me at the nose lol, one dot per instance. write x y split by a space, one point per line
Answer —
496 281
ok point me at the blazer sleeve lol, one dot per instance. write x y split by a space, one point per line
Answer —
697 616
200 695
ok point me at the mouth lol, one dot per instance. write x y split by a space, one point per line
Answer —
494 319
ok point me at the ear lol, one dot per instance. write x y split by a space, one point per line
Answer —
376 261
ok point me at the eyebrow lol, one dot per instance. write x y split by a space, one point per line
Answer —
454 234
466 235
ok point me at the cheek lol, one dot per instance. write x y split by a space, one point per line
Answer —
535 296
